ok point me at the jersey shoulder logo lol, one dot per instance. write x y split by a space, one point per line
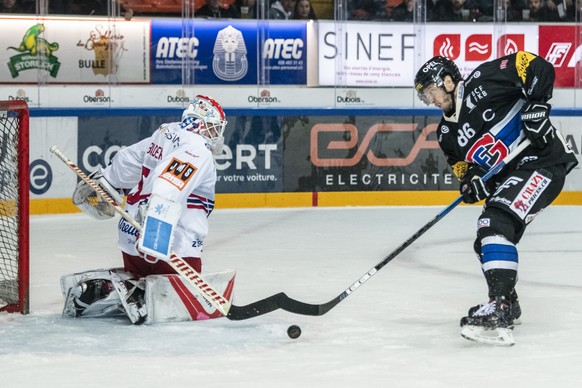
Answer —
178 173
522 61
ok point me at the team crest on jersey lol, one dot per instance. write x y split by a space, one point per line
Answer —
179 173
522 62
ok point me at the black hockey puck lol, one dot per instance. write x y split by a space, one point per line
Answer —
294 331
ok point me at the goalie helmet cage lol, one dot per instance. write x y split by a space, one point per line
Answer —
14 207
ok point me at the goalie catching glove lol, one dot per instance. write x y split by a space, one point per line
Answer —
86 199
535 118
472 187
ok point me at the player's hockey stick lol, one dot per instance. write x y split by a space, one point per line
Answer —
282 301
180 266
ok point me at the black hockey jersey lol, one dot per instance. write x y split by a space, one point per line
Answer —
486 124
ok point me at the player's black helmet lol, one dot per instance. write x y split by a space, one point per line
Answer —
433 72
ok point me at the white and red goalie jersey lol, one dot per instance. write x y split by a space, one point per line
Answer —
175 164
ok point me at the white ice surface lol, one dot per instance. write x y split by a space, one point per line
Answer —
400 329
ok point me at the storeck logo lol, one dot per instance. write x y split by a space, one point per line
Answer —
350 133
35 53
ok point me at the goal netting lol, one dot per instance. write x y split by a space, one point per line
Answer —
14 187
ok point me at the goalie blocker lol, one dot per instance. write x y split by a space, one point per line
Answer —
152 299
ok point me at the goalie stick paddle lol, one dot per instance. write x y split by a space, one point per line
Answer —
282 301
180 266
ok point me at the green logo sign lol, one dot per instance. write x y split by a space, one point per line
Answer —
36 53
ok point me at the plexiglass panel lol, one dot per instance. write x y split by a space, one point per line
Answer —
340 53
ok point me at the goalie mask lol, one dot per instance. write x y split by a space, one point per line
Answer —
434 72
205 117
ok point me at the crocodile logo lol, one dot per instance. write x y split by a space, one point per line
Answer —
35 53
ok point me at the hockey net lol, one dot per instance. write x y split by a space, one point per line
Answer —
14 186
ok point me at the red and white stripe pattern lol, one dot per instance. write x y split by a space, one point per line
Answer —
197 202
196 309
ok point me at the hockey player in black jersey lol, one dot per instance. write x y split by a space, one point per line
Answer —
486 116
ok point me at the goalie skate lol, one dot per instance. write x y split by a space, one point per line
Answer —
89 294
131 299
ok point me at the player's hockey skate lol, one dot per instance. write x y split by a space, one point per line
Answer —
515 310
491 324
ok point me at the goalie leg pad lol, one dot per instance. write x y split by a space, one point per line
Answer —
171 299
90 294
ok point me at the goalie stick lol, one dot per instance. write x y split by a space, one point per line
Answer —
176 262
282 301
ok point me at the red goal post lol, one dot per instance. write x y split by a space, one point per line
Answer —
14 206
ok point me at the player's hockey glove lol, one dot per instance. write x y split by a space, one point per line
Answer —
472 187
86 199
535 118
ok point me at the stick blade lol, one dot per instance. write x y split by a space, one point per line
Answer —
279 301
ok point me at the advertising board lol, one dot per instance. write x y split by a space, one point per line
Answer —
562 47
383 55
228 52
364 153
68 51
251 160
